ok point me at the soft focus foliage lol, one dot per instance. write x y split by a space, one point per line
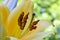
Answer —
1 0
49 10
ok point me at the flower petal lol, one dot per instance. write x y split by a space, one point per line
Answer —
4 13
11 38
42 25
11 4
36 36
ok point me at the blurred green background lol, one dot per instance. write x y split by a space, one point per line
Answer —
48 10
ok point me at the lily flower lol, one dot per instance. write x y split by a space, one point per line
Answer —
19 23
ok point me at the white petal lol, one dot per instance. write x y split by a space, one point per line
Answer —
12 38
42 25
37 36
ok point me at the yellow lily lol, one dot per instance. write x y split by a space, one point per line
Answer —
22 15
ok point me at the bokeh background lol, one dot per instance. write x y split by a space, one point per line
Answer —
48 10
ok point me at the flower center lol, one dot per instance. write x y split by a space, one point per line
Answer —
23 19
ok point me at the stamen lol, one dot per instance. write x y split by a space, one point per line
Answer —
24 20
20 19
33 25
